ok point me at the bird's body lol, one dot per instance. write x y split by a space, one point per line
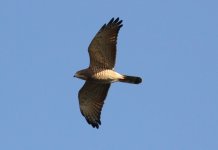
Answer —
100 73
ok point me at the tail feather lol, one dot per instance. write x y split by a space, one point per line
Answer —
131 79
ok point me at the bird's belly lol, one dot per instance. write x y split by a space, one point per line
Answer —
106 76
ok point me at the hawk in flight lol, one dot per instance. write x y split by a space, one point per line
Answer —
100 73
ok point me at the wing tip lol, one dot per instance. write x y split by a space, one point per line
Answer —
95 124
113 22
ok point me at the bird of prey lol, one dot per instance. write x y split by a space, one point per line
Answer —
100 73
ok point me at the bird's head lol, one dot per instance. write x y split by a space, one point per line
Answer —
82 74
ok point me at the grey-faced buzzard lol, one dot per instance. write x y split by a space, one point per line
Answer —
100 73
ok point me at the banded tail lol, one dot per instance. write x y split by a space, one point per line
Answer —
131 79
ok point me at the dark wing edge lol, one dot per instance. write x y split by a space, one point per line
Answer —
102 49
91 100
112 23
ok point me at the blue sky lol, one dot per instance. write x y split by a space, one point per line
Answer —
172 45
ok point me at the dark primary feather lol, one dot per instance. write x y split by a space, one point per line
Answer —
113 22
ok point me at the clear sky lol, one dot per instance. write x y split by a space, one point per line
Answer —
172 45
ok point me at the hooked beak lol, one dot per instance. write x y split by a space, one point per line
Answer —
75 75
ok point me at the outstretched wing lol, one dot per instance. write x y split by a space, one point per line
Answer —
91 100
102 49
